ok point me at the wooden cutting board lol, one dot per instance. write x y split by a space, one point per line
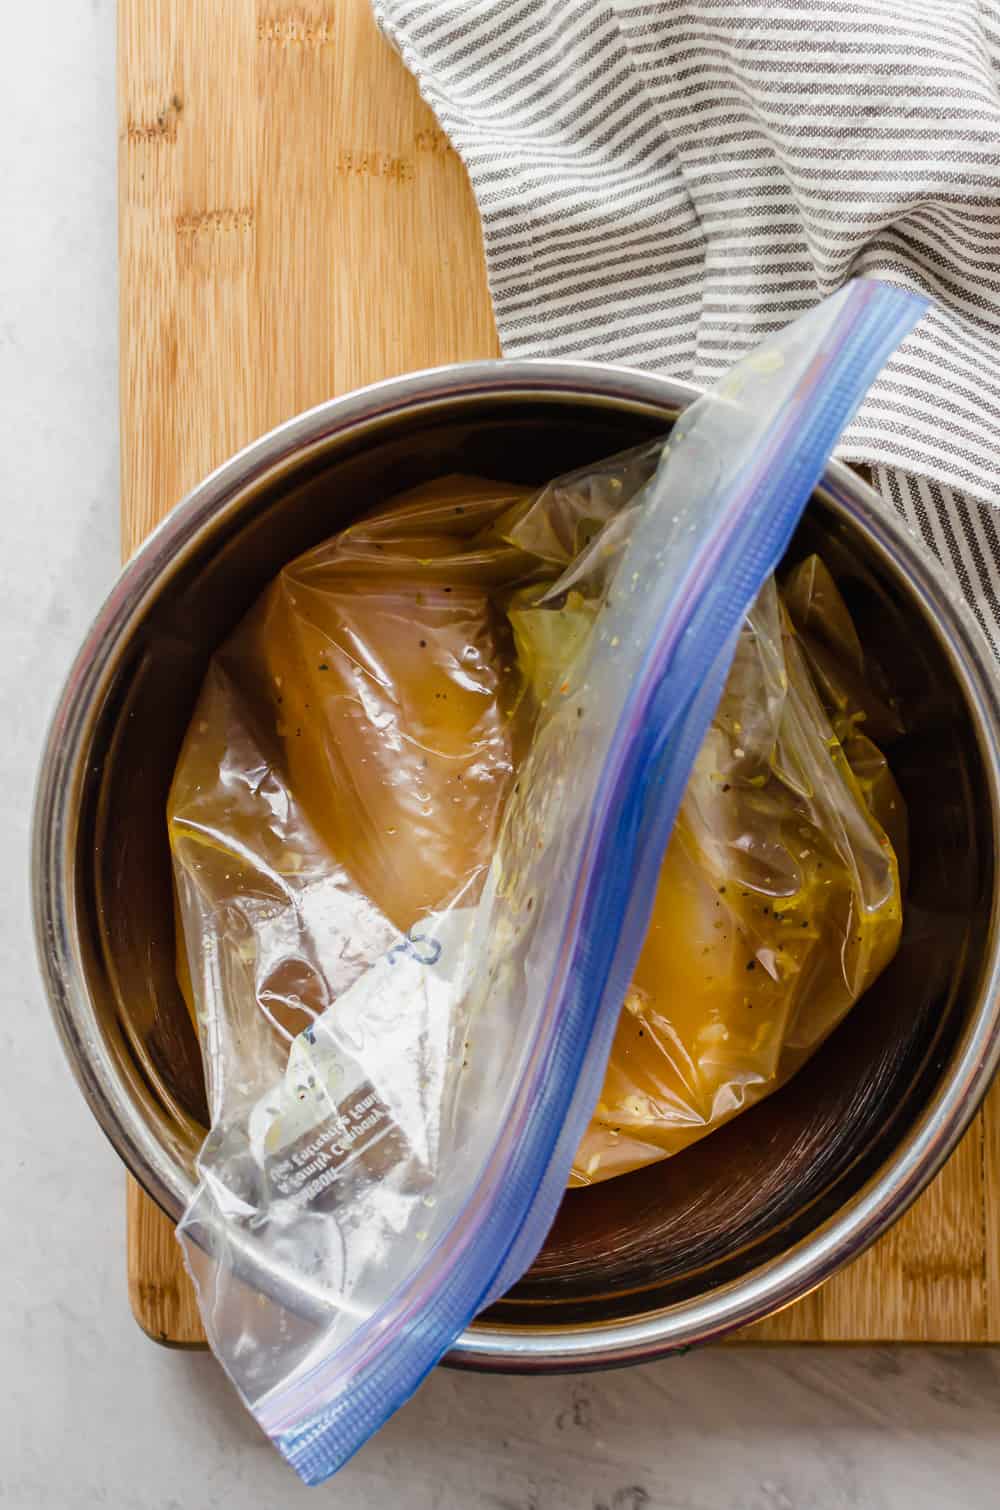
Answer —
292 225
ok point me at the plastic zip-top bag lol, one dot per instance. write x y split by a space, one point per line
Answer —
403 1060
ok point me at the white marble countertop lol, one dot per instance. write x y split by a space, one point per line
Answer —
91 1413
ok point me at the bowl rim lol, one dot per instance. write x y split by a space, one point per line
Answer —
552 1347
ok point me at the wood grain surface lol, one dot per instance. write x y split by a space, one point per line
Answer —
292 225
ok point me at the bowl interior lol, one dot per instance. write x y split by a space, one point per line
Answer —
691 1223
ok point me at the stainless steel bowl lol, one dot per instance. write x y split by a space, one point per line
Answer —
746 1221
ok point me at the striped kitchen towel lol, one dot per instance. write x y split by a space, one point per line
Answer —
663 183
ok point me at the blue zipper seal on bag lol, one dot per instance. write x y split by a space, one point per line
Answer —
320 1420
